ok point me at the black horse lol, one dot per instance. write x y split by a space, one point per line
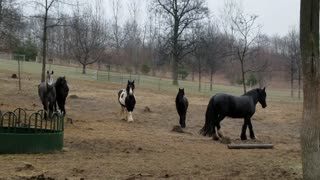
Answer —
222 105
127 100
47 94
62 91
182 107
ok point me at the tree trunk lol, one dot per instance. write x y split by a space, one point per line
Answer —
291 79
44 47
84 66
175 47
310 130
199 88
192 74
211 79
243 78
175 70
299 82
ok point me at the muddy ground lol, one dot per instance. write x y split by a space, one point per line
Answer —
98 145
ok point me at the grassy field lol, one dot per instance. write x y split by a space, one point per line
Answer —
155 83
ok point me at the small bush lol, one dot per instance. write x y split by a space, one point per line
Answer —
183 73
250 80
145 69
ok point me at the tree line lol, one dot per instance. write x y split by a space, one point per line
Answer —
181 37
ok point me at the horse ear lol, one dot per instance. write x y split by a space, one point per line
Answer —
52 72
264 89
47 72
133 81
128 81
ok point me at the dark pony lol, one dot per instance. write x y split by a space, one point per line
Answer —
127 100
47 94
182 107
62 91
224 105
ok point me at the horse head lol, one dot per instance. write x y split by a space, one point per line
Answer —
49 79
181 93
61 81
262 95
130 87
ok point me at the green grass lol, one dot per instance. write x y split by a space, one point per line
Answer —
151 82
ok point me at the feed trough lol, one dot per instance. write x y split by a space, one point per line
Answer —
23 133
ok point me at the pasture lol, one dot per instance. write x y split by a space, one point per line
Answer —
98 145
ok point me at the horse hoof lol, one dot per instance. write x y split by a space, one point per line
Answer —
243 138
215 138
220 134
130 121
253 137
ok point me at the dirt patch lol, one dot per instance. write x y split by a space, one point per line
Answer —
99 145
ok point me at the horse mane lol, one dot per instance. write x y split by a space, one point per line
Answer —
252 92
59 81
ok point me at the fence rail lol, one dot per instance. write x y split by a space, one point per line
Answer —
152 82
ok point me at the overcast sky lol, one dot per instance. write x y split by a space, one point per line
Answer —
276 16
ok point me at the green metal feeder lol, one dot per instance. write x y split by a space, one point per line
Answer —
20 133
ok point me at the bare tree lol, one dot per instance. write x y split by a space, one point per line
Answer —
310 131
290 50
133 33
46 6
216 48
89 36
50 17
246 34
180 15
11 25
199 52
117 38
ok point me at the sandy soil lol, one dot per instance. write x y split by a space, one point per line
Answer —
98 145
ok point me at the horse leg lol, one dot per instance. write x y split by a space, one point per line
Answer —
130 119
59 106
251 130
182 120
219 119
63 108
215 137
45 107
51 107
122 113
244 129
214 124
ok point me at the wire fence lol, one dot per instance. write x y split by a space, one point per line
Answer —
151 82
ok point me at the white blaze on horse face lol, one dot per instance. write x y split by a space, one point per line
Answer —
130 119
49 78
130 91
50 81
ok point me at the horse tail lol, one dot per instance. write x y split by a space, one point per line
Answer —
208 127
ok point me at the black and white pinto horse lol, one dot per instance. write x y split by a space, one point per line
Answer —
127 101
62 91
224 105
47 94
182 107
